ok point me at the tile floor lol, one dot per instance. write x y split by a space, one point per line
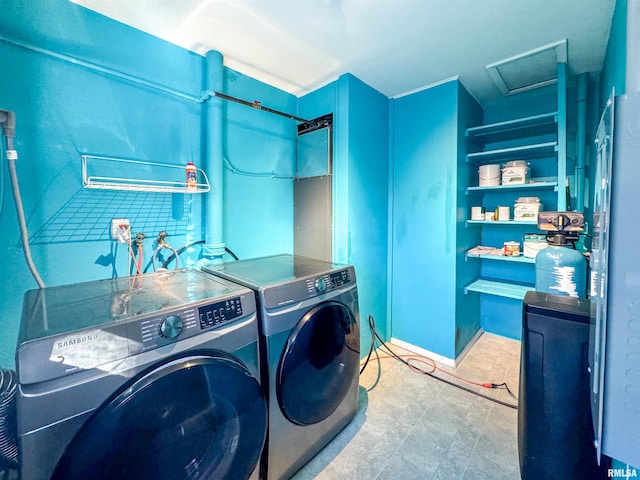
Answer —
411 426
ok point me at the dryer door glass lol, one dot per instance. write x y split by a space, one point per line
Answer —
319 364
194 417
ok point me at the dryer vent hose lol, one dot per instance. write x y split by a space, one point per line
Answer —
8 431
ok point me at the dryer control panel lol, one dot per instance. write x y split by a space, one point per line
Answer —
310 287
327 282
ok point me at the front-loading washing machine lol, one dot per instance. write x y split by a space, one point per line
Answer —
310 352
154 377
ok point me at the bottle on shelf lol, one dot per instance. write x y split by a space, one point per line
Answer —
192 180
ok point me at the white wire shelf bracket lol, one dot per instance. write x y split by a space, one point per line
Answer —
139 176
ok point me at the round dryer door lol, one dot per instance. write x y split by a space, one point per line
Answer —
194 417
319 364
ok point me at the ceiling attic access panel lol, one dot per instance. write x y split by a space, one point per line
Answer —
529 70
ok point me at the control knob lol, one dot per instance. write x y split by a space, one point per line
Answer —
321 285
171 327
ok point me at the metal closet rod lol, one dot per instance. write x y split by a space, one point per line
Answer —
257 105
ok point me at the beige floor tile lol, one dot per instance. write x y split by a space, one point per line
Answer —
414 426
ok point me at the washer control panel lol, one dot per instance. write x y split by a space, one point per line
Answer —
219 312
161 330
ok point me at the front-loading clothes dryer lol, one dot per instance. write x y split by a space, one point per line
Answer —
154 377
310 352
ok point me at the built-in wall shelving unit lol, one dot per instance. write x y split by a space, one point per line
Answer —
540 139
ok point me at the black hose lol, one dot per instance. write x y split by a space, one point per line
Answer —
191 244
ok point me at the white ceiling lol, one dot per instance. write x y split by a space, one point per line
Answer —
395 46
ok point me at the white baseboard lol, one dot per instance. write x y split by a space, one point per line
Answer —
449 362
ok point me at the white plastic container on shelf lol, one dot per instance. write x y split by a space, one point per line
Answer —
533 243
526 209
477 213
489 175
515 172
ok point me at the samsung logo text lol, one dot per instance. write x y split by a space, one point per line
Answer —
70 342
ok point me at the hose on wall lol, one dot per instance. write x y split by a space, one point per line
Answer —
8 122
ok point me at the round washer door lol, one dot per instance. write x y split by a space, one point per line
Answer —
319 363
194 417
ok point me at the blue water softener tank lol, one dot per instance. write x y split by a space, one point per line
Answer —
560 269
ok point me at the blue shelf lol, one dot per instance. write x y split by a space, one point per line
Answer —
519 259
523 186
500 289
537 150
503 222
534 125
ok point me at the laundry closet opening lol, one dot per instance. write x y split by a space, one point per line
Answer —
312 190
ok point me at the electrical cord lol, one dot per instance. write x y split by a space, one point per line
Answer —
114 255
372 350
372 346
435 367
383 346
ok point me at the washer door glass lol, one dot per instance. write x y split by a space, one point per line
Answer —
319 364
194 417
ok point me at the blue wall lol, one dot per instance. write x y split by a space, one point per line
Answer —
426 299
258 203
613 70
424 138
361 195
66 108
360 188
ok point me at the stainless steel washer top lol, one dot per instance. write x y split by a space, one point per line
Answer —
84 326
